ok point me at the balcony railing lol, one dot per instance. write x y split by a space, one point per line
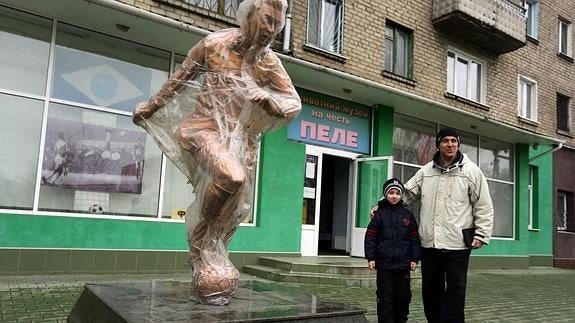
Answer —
496 25
223 7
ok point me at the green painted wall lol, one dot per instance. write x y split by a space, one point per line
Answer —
278 223
36 231
280 199
529 242
541 241
383 131
278 227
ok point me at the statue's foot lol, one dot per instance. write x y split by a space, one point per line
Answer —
215 286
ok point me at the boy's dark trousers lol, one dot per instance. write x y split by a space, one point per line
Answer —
444 281
393 295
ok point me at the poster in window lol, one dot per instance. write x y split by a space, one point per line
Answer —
88 157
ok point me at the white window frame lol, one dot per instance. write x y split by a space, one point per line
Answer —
452 76
337 47
531 192
569 115
524 110
399 162
567 48
532 14
398 30
562 198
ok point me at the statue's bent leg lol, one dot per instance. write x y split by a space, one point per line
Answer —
215 277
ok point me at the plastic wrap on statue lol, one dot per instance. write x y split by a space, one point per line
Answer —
208 118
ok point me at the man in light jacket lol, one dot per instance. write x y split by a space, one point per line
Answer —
453 196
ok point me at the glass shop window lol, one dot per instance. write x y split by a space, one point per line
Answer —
103 71
21 125
97 162
24 49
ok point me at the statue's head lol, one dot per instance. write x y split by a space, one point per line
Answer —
261 20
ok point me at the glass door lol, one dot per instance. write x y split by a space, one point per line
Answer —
311 202
369 176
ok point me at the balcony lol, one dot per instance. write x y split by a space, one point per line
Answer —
498 26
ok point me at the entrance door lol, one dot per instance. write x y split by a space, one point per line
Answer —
369 175
327 201
335 206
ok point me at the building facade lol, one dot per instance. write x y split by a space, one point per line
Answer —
377 80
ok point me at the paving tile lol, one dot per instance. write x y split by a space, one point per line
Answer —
541 295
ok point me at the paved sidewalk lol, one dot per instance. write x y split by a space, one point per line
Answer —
535 295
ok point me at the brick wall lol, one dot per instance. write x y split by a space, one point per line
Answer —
364 23
364 47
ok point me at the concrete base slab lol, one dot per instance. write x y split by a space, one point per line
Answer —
173 301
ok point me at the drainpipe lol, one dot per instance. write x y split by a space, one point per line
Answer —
287 29
559 146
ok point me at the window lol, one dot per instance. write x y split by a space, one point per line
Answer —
565 219
533 205
325 25
532 13
223 7
527 98
108 162
563 113
565 47
75 149
21 125
398 50
414 146
465 76
496 161
107 75
29 37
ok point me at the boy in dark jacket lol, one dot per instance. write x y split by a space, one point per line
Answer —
392 247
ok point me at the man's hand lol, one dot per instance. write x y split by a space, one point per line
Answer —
476 244
412 265
371 265
372 212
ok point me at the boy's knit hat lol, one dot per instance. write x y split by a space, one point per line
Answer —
446 132
392 183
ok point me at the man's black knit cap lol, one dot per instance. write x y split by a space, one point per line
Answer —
446 132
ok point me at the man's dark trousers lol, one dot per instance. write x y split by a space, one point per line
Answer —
444 280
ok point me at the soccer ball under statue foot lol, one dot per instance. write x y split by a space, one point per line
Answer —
215 286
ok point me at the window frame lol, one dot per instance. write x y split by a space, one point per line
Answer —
452 78
226 8
401 167
567 112
408 55
566 221
564 40
532 15
45 107
522 108
338 32
533 218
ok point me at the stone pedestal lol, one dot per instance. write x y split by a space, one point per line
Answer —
166 301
